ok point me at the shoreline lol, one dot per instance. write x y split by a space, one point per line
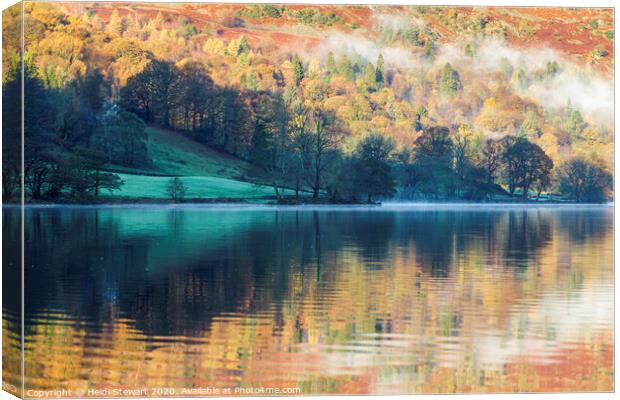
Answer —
319 206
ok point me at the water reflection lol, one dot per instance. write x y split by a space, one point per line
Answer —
332 301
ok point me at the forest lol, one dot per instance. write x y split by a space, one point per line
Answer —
344 126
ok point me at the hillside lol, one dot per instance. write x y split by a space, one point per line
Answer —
174 153
343 101
581 33
207 173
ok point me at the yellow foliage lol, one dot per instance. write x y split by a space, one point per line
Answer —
316 90
549 143
465 131
490 104
60 44
380 122
215 47
314 69
334 102
359 128
46 13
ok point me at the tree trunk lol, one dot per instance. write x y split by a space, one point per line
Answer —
97 182
278 196
297 186
525 192
315 187
317 177
36 188
8 183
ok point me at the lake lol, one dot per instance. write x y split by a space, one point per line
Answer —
391 299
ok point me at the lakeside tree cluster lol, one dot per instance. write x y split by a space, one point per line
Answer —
342 128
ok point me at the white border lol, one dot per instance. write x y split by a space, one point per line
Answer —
522 3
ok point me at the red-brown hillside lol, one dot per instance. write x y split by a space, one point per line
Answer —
584 34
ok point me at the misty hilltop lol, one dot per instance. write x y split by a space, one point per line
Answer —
583 34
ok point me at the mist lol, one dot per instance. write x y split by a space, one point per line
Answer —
585 88
580 85
357 45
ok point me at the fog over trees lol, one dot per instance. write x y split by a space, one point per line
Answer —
342 128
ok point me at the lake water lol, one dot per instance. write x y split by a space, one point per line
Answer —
392 299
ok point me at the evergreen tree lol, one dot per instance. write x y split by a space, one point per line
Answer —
450 81
380 71
370 77
298 68
330 64
519 79
244 46
429 48
470 51
345 68
252 82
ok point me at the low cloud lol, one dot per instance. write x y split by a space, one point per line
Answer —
585 89
354 44
593 96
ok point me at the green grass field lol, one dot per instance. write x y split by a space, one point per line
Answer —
174 153
202 187
207 173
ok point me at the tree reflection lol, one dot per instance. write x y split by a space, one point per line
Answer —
174 270
303 297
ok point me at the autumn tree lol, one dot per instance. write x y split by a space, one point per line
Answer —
409 176
584 181
433 158
148 94
372 172
525 164
11 134
271 143
117 24
121 138
299 160
324 137
38 118
491 161
86 175
190 97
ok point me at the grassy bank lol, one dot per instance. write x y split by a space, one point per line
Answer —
206 187
207 173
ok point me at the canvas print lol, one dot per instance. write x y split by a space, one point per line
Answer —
206 199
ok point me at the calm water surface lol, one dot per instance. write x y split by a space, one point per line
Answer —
361 300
